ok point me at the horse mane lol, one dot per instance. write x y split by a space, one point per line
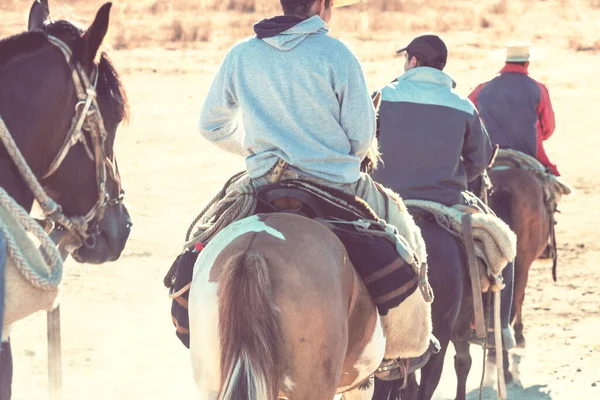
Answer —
19 43
109 85
371 161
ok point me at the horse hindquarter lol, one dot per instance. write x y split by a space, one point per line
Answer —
269 304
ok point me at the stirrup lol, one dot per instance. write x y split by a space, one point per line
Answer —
400 368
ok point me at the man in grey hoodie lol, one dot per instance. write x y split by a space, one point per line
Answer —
294 93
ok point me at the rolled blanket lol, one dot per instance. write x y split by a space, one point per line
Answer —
495 242
554 187
31 285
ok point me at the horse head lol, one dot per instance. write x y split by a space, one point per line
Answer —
62 102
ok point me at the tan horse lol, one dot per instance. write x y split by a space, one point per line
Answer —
277 311
518 199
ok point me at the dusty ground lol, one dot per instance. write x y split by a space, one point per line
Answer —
118 341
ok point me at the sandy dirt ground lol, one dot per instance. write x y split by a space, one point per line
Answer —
118 340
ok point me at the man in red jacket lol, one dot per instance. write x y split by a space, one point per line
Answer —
516 109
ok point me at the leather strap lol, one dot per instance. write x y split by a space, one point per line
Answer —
278 171
480 330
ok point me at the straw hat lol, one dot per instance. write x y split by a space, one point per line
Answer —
343 3
518 51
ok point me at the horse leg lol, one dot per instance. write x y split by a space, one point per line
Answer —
462 365
311 375
6 371
461 334
508 376
431 373
520 284
491 358
447 281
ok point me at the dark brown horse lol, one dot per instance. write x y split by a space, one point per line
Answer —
40 105
518 199
452 310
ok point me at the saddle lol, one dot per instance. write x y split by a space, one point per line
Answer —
487 243
372 244
495 243
553 187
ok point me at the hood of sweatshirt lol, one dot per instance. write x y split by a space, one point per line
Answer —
287 32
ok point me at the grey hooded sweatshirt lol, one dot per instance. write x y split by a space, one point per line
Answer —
299 95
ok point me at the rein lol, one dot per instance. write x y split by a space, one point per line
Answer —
87 118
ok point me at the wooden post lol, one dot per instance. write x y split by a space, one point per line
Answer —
61 239
54 355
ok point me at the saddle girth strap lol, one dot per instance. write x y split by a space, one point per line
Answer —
480 330
553 247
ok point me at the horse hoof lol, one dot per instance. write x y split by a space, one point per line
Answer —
520 341
508 377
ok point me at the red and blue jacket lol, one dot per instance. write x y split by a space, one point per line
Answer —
517 112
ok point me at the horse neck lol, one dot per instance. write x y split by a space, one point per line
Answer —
502 203
12 182
32 99
513 189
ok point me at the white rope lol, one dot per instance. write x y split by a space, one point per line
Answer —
49 251
498 340
46 203
243 204
50 208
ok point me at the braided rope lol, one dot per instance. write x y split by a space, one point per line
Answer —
50 208
49 251
214 200
239 203
48 205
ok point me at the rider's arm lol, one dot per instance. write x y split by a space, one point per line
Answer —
473 96
545 113
357 114
220 119
477 147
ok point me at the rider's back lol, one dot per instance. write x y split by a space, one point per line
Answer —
293 92
508 105
431 138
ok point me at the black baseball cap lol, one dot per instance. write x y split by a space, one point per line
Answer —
429 48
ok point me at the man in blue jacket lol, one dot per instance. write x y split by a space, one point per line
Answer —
434 138
433 144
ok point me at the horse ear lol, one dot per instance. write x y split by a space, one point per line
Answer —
377 100
38 14
94 36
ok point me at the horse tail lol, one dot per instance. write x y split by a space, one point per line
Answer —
252 348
